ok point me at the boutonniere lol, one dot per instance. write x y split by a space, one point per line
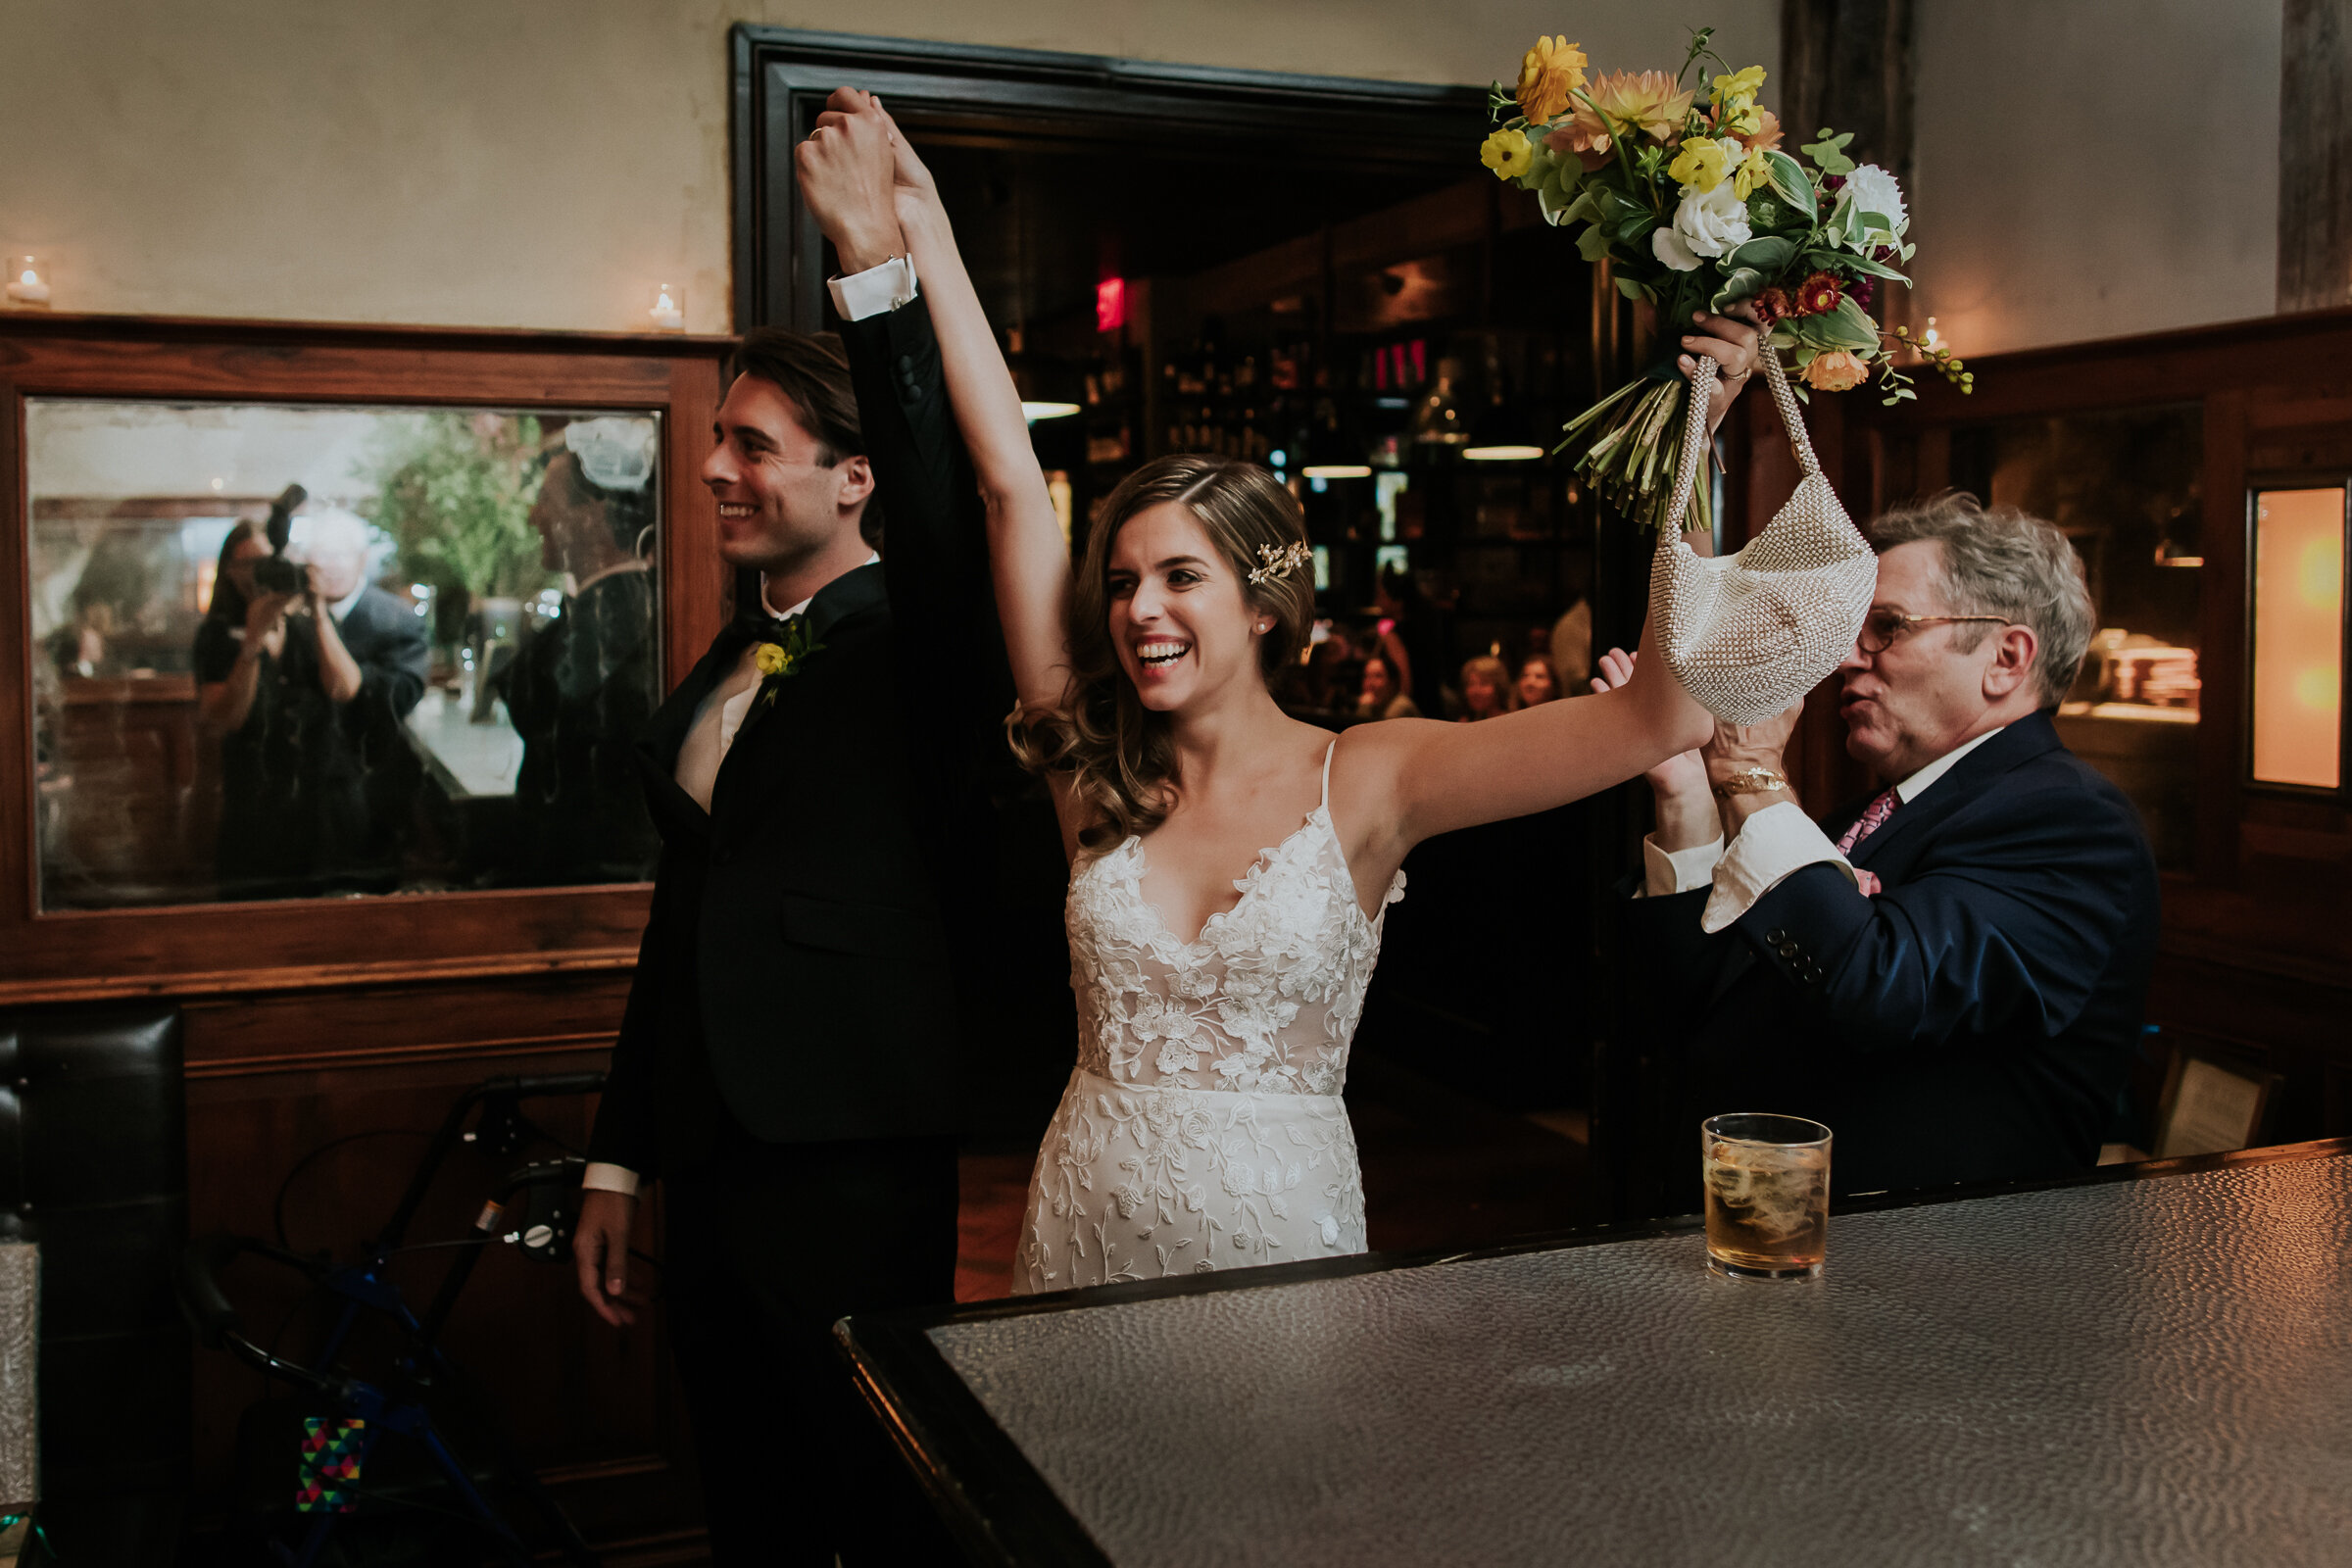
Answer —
777 662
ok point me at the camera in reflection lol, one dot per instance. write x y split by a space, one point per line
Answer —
274 573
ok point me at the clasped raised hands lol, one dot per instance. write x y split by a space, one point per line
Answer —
847 169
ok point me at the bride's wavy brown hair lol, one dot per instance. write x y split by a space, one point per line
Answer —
1117 751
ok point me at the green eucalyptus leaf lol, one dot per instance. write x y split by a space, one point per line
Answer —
1829 153
1592 243
1630 289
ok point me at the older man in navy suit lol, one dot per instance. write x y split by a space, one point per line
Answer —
1950 974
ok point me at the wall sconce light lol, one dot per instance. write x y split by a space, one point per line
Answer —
666 312
29 278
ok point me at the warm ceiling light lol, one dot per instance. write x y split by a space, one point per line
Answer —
1338 471
1034 411
1502 453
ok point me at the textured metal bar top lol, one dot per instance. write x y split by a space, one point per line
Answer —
2145 1372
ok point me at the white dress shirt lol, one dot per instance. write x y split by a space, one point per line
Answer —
854 298
1773 846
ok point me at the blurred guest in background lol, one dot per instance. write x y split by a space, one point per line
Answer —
583 687
1485 688
1381 696
1538 682
1951 975
306 690
1572 645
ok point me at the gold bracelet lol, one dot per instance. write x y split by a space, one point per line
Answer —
1751 781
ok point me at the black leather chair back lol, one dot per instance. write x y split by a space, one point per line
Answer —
94 1166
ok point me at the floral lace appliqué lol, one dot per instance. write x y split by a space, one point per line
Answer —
1202 1128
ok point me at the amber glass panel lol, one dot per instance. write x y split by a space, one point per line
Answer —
2299 637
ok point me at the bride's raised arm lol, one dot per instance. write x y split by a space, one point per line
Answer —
1029 560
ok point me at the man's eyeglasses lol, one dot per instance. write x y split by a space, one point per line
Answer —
1880 627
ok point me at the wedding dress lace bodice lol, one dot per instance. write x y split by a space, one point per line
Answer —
1203 1127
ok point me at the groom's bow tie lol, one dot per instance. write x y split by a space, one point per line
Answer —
762 627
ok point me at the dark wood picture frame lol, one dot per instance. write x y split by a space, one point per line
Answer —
2169 1104
307 944
782 75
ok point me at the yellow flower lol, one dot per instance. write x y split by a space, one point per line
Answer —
1751 172
1507 153
1548 74
771 660
1834 370
1699 165
1740 84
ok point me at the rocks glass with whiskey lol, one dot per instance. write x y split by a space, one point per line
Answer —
1767 1185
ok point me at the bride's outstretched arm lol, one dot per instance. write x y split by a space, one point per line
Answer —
1029 560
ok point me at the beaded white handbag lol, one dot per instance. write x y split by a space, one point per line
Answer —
1748 634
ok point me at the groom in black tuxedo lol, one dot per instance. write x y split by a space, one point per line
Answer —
787 1061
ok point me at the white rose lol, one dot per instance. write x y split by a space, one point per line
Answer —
1707 223
1871 189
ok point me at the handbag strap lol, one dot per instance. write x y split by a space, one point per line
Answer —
1694 432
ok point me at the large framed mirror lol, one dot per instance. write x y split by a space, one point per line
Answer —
349 636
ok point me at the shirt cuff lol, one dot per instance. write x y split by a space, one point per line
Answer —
1666 872
1772 845
603 1178
874 290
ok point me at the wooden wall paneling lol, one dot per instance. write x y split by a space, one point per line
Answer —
270 1109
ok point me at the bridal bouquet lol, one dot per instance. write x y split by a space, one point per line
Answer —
1695 206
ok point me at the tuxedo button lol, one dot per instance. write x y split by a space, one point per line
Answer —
1787 950
1812 974
1776 936
906 365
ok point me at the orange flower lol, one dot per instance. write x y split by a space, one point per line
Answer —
1631 102
1767 135
1818 295
1548 74
1834 370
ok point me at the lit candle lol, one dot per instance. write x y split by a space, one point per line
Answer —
667 314
28 281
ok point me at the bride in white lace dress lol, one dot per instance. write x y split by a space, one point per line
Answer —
1232 866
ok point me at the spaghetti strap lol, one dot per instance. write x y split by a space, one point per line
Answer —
1328 752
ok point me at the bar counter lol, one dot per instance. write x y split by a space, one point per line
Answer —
2147 1367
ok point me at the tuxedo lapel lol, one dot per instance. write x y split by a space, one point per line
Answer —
664 734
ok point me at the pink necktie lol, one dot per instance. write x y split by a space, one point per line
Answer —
1873 817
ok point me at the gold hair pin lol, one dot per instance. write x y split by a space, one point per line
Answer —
1278 563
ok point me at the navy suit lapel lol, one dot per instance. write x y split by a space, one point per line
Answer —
2030 737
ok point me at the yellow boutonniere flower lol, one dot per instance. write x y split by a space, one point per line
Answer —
771 660
1507 153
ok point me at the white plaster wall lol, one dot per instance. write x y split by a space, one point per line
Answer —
538 162
2090 168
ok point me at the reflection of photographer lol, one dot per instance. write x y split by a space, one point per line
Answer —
305 670
584 685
